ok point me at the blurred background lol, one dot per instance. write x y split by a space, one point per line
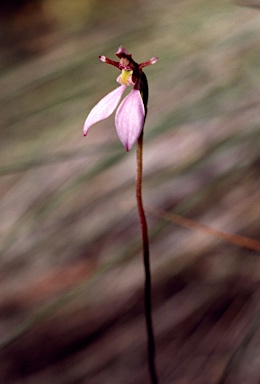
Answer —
71 273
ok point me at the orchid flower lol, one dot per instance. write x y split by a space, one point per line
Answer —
131 113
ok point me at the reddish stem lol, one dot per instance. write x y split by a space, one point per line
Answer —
146 260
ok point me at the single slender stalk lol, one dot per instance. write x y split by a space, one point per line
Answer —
146 260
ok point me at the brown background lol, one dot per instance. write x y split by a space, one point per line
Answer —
71 274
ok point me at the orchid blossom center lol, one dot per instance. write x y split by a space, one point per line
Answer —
126 78
124 63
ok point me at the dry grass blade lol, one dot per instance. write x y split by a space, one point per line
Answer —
239 240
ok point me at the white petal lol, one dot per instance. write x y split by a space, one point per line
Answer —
129 119
104 108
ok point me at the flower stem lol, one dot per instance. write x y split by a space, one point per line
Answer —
146 260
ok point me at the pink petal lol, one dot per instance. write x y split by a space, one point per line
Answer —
104 108
130 119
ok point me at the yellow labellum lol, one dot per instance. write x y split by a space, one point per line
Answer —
124 76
